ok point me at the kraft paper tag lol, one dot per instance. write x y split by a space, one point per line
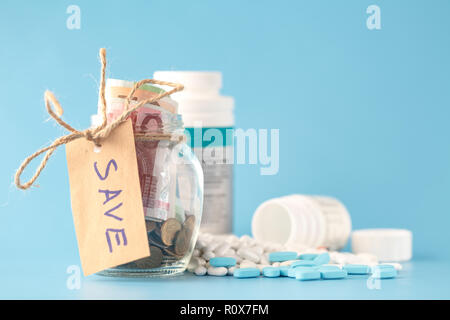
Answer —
106 201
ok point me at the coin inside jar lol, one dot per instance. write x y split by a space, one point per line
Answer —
182 242
169 230
155 240
150 225
170 251
154 261
189 223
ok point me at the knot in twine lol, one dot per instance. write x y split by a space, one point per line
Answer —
95 134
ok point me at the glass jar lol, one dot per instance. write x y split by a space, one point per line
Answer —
171 181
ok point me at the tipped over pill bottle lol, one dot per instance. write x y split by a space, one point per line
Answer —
303 221
209 121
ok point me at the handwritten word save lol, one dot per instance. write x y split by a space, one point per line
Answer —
111 212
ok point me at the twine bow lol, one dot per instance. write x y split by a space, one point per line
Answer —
92 134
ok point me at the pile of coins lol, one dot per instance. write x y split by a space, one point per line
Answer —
169 240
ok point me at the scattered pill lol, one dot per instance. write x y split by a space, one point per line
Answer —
208 255
357 268
247 264
200 271
275 264
238 259
381 266
220 255
271 272
212 246
331 267
322 258
222 262
308 256
383 272
248 254
333 274
284 271
286 263
219 271
258 250
397 266
246 273
264 260
292 270
306 274
221 249
280 256
303 263
262 266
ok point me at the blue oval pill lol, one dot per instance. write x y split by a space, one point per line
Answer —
383 266
357 268
325 267
284 271
304 274
302 263
280 256
246 273
222 262
322 258
293 270
308 256
271 272
383 272
333 274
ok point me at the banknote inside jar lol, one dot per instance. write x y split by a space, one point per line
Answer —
166 189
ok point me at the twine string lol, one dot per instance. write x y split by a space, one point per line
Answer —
95 134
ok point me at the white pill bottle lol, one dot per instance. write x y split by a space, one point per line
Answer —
209 122
302 222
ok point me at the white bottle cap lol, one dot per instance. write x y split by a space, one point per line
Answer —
200 103
192 80
392 245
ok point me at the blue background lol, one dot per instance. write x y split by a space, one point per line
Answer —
363 114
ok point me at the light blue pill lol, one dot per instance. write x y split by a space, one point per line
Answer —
383 272
302 263
325 267
271 272
333 274
293 270
322 258
305 274
357 268
284 271
280 256
382 266
308 256
222 262
246 273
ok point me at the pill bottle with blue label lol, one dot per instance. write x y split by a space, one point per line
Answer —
209 122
